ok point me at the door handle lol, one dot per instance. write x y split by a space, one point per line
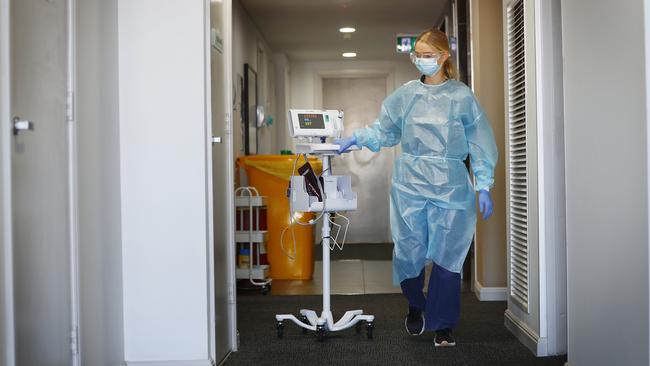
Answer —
216 139
22 125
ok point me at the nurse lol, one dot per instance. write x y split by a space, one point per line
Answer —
439 123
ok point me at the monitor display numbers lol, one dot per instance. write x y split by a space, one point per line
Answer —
311 121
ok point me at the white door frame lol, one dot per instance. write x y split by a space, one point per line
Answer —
6 234
228 95
212 317
228 142
646 26
73 191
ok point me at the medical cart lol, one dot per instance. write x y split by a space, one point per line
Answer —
311 128
248 204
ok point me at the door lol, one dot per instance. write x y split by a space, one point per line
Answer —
222 179
360 99
39 167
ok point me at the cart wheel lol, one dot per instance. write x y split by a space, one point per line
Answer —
358 326
304 320
369 328
265 290
279 326
320 333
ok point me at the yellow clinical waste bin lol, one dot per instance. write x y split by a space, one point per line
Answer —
270 174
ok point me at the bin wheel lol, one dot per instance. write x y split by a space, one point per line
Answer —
266 289
304 320
320 333
358 326
369 328
279 326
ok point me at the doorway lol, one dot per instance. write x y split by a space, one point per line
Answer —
360 99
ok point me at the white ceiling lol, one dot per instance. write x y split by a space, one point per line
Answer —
308 30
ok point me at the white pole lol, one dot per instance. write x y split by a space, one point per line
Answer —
326 245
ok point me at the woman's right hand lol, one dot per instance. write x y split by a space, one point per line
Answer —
345 143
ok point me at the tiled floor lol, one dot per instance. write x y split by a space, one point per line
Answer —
347 277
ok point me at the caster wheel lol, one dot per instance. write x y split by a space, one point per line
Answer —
320 333
369 328
358 326
304 320
266 290
279 326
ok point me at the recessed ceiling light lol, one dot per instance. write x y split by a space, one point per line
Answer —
347 30
349 54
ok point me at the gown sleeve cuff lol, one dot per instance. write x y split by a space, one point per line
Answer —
482 186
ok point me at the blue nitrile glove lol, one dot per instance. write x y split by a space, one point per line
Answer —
485 203
345 143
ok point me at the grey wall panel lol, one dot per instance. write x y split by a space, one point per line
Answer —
606 181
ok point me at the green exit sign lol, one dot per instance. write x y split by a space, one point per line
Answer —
406 43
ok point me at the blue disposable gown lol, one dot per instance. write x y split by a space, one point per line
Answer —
432 199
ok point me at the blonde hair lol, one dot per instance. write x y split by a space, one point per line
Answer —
438 39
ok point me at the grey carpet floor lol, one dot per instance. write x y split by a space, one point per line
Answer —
481 336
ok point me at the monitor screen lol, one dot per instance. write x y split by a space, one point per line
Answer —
311 121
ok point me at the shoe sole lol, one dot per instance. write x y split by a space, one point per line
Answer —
445 344
424 325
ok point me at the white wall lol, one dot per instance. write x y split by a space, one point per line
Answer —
606 182
283 100
100 249
246 41
162 123
306 84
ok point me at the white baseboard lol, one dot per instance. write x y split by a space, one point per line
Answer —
171 363
490 293
527 336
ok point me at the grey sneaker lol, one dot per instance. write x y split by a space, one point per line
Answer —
444 338
414 321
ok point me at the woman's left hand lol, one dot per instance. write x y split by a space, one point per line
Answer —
485 203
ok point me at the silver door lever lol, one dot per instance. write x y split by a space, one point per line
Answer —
22 125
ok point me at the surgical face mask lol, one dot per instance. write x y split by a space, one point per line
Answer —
427 66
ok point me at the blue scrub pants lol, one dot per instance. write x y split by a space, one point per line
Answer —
441 307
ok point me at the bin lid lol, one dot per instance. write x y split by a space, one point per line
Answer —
279 166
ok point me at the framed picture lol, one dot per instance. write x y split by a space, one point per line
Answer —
249 110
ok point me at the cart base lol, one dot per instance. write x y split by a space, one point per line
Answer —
325 323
